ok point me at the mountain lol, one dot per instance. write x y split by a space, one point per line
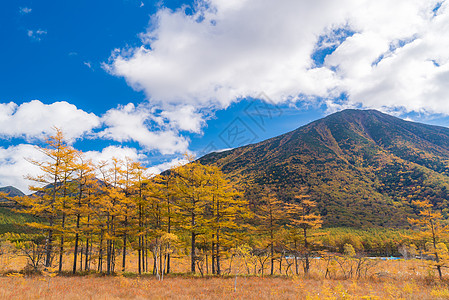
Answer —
11 192
362 167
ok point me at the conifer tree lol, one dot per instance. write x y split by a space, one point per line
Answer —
226 205
302 216
85 181
191 188
433 231
46 202
271 214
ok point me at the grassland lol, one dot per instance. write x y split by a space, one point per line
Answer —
399 279
14 222
119 287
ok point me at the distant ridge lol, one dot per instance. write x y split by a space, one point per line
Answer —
363 167
11 192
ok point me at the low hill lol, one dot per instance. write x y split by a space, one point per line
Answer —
363 167
10 191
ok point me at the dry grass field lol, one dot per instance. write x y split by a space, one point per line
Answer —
215 288
391 280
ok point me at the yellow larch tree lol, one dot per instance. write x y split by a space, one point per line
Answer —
49 198
271 214
302 216
433 231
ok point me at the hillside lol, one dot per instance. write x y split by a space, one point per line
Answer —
11 192
11 221
363 167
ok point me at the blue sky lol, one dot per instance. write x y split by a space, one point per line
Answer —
154 79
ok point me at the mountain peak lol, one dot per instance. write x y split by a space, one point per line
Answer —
353 163
11 191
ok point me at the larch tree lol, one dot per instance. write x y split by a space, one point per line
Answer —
166 184
111 202
85 181
302 216
271 214
47 199
226 205
191 193
433 231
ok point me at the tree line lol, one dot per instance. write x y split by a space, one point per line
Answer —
101 213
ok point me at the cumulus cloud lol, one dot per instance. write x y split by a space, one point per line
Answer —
152 129
14 166
184 117
114 152
131 123
36 120
157 169
395 56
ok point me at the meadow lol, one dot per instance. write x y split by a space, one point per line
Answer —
387 279
182 287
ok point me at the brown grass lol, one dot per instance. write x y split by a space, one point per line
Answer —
398 279
214 288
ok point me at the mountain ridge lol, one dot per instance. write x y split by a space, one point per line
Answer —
361 166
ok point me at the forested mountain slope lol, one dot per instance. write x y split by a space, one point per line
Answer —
363 167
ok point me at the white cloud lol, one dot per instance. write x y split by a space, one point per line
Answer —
157 169
114 152
184 117
36 34
131 123
35 119
153 130
228 50
88 64
24 10
14 166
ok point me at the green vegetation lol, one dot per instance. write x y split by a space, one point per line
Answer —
15 222
362 168
336 189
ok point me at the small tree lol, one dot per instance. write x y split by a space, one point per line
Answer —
51 192
303 218
433 232
271 214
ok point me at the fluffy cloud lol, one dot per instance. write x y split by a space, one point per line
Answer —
395 57
14 166
152 129
131 123
114 152
157 169
35 119
184 117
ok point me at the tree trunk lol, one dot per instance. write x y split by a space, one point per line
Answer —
61 245
48 246
192 253
169 231
193 246
213 255
75 252
124 246
306 249
86 256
